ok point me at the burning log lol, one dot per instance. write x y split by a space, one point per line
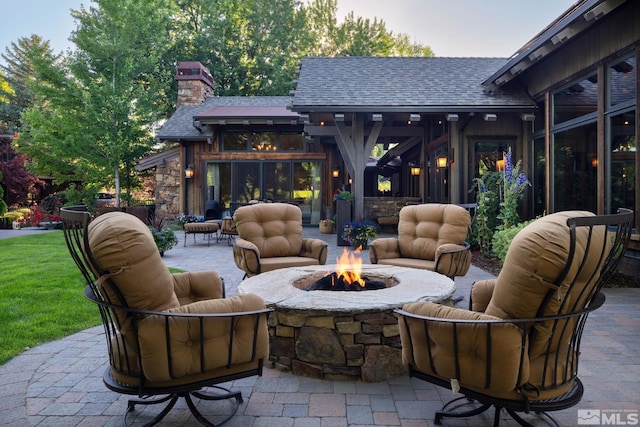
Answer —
335 282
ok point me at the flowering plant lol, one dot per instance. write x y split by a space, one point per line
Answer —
183 219
359 232
513 184
36 216
164 237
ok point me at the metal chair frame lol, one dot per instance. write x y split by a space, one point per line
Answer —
75 221
566 327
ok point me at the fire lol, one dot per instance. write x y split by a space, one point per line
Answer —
349 266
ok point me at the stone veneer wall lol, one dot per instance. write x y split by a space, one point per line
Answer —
385 207
168 189
359 346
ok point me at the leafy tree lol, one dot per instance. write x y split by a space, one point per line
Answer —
102 99
17 181
19 75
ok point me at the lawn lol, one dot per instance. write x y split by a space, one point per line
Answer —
41 293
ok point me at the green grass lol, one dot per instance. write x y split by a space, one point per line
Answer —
41 293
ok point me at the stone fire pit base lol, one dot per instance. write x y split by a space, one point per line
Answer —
364 346
341 335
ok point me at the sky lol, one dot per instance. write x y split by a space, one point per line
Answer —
454 28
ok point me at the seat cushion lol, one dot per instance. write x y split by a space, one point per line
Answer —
410 263
275 228
423 228
268 264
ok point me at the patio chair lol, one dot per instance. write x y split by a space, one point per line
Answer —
169 336
517 347
431 236
270 237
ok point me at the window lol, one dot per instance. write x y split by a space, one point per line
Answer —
578 99
292 141
623 161
234 141
263 141
622 77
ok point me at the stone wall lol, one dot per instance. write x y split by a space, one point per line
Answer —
360 346
168 189
385 210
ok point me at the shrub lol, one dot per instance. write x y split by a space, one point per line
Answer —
502 239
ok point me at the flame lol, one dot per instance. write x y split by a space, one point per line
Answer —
349 266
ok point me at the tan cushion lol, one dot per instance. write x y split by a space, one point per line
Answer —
410 263
534 261
506 346
423 228
268 264
200 227
275 228
124 245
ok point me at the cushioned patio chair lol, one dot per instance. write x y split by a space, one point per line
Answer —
431 236
270 237
168 335
517 347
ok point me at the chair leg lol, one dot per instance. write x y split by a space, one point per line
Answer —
222 394
447 410
146 401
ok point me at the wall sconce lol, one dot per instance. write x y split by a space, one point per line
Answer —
189 172
441 162
594 162
335 172
500 165
415 170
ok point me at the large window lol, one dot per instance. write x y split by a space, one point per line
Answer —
576 100
574 168
238 182
262 141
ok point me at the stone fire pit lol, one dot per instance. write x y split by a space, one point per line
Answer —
341 335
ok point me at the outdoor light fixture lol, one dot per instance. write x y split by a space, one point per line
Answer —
415 170
335 172
188 172
500 165
441 162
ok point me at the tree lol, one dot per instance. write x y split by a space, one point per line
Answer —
355 36
16 94
17 182
102 100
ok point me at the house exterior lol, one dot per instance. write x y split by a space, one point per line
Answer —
565 104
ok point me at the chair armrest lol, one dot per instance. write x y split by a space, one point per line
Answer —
481 293
314 248
197 286
383 248
460 343
246 256
453 260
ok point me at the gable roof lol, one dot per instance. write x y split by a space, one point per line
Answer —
415 84
181 123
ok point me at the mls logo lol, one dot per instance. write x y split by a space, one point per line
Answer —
589 417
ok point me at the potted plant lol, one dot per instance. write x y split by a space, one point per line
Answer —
164 237
359 233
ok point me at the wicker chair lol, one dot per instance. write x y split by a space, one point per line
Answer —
517 347
168 335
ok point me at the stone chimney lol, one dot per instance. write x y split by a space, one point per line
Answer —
195 83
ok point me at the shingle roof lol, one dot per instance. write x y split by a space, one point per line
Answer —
400 83
180 124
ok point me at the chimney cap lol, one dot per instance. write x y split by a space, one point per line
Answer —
194 70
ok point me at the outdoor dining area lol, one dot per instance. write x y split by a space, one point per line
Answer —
213 346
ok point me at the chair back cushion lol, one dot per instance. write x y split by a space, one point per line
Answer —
527 284
124 246
275 228
423 228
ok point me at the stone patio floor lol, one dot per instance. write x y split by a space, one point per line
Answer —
60 383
